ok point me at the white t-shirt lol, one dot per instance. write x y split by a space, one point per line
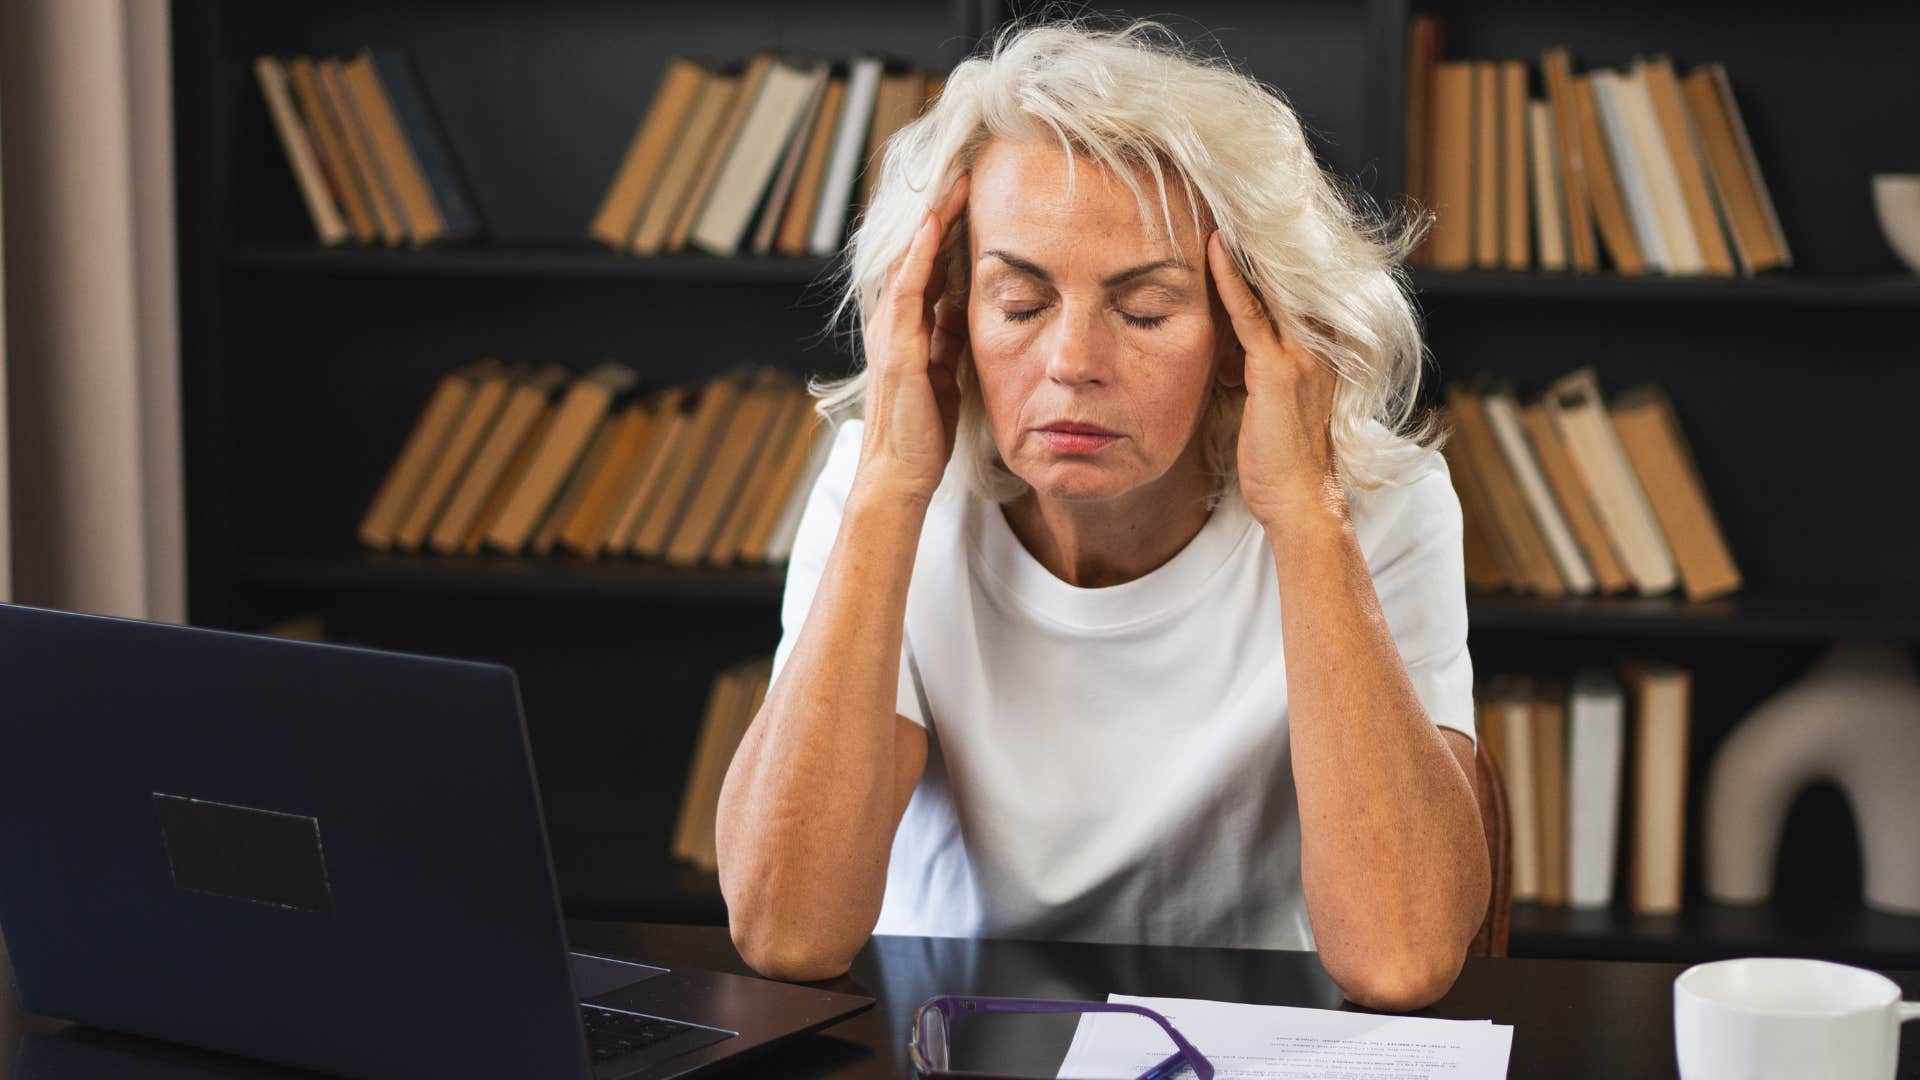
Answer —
1111 764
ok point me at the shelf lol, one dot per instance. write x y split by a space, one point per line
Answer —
557 576
1842 930
1759 612
516 262
1888 291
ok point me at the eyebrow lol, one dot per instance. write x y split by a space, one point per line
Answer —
1033 269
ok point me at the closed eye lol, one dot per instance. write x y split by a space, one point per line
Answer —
1021 316
1145 322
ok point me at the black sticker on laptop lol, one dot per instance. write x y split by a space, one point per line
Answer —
263 856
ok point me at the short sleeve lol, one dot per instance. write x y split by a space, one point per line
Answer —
1419 574
812 543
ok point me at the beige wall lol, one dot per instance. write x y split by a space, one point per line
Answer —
92 349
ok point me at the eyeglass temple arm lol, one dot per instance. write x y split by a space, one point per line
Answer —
1186 1055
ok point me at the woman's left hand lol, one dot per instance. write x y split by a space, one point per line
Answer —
1287 462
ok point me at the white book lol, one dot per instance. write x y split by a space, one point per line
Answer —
330 226
1663 178
1517 776
1549 202
1580 413
849 147
1596 746
1629 170
766 128
783 181
1503 416
780 541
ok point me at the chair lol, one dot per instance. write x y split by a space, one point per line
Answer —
1492 938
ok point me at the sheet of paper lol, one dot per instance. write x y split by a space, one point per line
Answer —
1276 1042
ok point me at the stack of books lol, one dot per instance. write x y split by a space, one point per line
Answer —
372 164
1566 495
1563 746
523 460
731 706
769 156
1661 164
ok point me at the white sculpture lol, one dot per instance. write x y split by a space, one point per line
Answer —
1854 719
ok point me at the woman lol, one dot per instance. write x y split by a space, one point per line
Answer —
1133 608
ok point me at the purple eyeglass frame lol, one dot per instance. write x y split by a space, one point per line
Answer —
949 1006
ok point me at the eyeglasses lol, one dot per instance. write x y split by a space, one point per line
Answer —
932 1040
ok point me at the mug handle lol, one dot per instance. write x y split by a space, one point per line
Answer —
1909 1010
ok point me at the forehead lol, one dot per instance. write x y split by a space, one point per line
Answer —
1019 199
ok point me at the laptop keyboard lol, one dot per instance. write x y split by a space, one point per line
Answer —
612 1034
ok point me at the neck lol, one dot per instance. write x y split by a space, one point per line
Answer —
1094 544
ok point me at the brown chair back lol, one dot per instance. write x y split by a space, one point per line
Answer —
1492 938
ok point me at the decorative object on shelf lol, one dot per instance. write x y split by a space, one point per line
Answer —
1896 202
1853 719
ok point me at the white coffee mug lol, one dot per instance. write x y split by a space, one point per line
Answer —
1773 1019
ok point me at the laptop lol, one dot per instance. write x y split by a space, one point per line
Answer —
321 856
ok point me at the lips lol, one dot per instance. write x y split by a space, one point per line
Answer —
1073 437
1070 427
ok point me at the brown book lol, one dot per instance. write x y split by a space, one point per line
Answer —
1575 502
782 487
424 445
1486 723
723 137
671 415
1665 465
691 458
335 158
658 132
1661 699
303 153
493 460
736 447
592 519
1516 221
796 224
510 479
1515 695
1487 213
791 159
1737 184
1423 51
789 412
1550 779
424 221
1453 186
1556 65
737 709
895 106
723 703
594 459
689 152
1603 184
581 411
1677 132
483 408
1490 563
379 189
1507 506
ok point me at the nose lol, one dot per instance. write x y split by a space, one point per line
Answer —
1080 348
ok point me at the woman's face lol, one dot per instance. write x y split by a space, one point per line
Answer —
1095 338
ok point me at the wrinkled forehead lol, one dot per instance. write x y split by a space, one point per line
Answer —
1029 194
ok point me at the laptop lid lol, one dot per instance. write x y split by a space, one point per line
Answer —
307 853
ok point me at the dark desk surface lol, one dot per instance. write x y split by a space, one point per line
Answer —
1571 1018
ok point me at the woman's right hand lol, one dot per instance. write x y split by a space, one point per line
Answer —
913 344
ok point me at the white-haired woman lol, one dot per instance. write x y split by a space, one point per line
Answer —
1132 609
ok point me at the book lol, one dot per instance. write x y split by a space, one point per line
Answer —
1586 428
1503 418
1424 45
475 495
791 483
328 224
689 151
1549 202
796 222
1519 765
1663 463
726 135
1739 190
1550 779
422 448
674 410
510 477
788 420
1630 173
767 126
424 221
779 543
1596 745
593 461
366 164
591 518
1683 149
492 385
1506 505
585 405
691 457
1600 171
734 450
1514 227
1495 567
646 156
737 696
895 104
1487 210
1683 250
843 164
1556 65
335 159
1662 701
432 151
1453 158
780 192
1570 495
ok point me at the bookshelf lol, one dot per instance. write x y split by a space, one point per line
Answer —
304 367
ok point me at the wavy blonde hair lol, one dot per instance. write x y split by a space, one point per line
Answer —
1142 103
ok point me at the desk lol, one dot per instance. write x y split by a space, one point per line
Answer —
1571 1018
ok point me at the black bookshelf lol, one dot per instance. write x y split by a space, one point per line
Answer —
304 368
